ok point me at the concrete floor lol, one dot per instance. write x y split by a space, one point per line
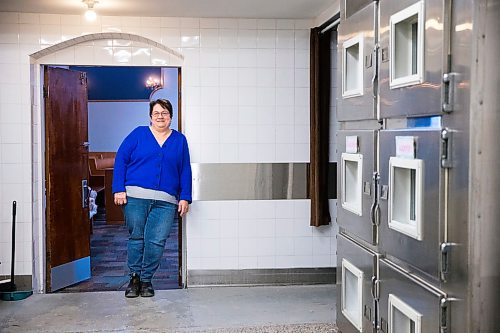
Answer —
219 309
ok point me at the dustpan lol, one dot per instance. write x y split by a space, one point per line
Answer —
8 289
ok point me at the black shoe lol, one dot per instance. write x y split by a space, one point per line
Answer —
133 287
147 289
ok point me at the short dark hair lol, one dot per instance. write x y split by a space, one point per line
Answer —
164 103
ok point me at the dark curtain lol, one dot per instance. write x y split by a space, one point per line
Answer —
320 126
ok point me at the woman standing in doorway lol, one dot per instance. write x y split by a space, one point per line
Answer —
151 180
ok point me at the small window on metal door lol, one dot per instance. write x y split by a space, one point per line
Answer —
407 46
351 187
352 294
405 196
402 317
352 67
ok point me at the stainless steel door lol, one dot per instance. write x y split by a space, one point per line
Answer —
412 57
356 149
406 304
355 309
416 240
356 40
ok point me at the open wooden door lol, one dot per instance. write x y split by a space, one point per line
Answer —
66 174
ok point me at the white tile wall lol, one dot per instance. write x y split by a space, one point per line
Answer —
245 99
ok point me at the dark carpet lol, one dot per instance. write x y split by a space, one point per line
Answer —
108 259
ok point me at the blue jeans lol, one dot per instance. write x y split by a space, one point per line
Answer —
149 223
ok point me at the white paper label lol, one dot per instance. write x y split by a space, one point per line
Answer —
351 144
405 147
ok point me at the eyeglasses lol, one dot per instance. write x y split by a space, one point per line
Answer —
163 114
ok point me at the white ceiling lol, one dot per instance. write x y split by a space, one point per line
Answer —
286 9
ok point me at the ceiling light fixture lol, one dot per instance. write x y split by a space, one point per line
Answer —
90 14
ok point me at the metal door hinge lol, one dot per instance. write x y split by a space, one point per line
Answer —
449 86
446 148
83 78
45 92
445 259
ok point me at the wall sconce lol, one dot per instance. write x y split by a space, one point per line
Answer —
153 83
90 14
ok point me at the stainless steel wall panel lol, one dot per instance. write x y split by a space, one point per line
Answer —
366 261
361 24
417 99
422 255
249 181
359 226
422 298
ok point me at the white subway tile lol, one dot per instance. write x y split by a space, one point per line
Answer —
9 33
303 246
247 77
209 23
285 77
170 37
190 37
266 39
50 34
284 153
247 57
285 39
228 153
190 22
228 38
209 77
209 38
229 247
302 39
228 134
209 153
228 97
170 22
266 24
29 34
228 23
247 96
209 57
284 246
53 19
266 152
266 58
285 24
28 18
285 58
229 58
247 262
301 152
229 229
247 39
247 24
266 115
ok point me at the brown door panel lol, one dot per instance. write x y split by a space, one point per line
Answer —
66 155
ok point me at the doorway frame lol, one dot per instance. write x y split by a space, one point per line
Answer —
47 57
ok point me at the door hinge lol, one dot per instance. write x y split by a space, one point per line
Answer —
83 78
446 148
445 259
45 92
449 86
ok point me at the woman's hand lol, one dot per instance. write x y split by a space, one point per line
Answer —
120 198
183 207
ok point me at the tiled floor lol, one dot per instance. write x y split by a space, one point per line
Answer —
108 258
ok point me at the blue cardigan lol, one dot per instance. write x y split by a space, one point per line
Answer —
140 161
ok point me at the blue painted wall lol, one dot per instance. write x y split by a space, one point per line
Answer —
111 121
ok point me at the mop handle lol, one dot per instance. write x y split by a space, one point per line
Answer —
13 242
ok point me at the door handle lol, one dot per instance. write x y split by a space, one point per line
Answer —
86 144
85 194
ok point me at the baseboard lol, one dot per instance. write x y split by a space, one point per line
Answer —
286 276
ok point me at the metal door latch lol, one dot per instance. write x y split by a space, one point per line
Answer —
445 259
449 85
446 148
